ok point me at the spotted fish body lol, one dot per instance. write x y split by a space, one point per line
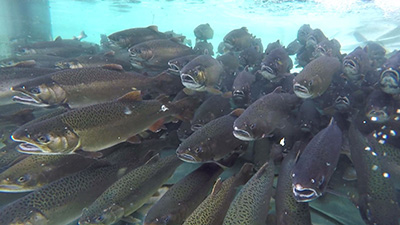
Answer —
94 127
377 196
130 192
183 197
250 206
288 210
316 164
60 202
213 209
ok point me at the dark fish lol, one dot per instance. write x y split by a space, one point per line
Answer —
10 156
203 32
377 199
276 64
241 89
238 39
31 61
264 116
272 46
316 77
356 65
213 107
175 65
314 37
213 209
212 142
203 46
288 210
155 54
61 202
130 192
308 117
87 86
379 107
328 48
133 36
230 62
316 164
36 171
390 78
376 53
251 204
98 60
184 196
18 118
203 73
303 33
250 57
96 127
293 47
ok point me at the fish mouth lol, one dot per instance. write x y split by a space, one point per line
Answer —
13 188
190 82
29 148
26 98
186 157
342 103
378 115
302 194
239 94
173 67
267 72
301 91
350 66
196 126
242 134
390 81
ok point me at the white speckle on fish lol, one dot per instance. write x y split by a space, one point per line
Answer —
386 175
164 108
282 142
367 148
374 167
127 111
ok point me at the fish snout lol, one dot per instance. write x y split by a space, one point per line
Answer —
301 91
267 72
242 134
303 194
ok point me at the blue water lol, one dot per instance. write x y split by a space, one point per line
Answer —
269 20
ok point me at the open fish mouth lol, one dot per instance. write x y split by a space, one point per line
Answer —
189 81
28 100
378 115
321 50
301 91
342 100
29 148
267 72
350 66
305 127
196 126
186 157
238 94
390 81
302 194
12 188
173 67
242 134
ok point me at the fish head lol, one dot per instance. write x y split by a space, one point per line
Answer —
342 103
141 53
307 187
389 81
304 193
40 92
194 78
174 66
247 129
110 215
46 137
304 88
193 154
268 71
73 64
378 114
12 182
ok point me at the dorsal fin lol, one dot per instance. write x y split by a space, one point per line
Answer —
131 96
153 159
115 67
217 186
245 29
153 27
58 38
237 112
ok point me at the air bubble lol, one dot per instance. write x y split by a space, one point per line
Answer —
374 167
392 132
381 142
367 148
282 142
374 153
386 175
374 118
384 136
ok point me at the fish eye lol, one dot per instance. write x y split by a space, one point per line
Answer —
310 83
24 178
100 218
252 126
198 150
34 90
43 139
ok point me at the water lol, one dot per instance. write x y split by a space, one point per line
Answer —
347 21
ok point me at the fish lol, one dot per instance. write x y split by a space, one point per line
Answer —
31 61
212 142
213 209
265 116
203 73
184 196
250 57
377 201
275 64
288 210
12 76
81 36
155 54
238 39
35 171
376 53
241 89
203 46
314 37
316 77
316 164
213 107
61 201
86 86
130 192
96 127
18 118
379 107
130 37
229 62
390 79
251 204
203 32
308 117
303 33
98 60
328 48
356 65
175 65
